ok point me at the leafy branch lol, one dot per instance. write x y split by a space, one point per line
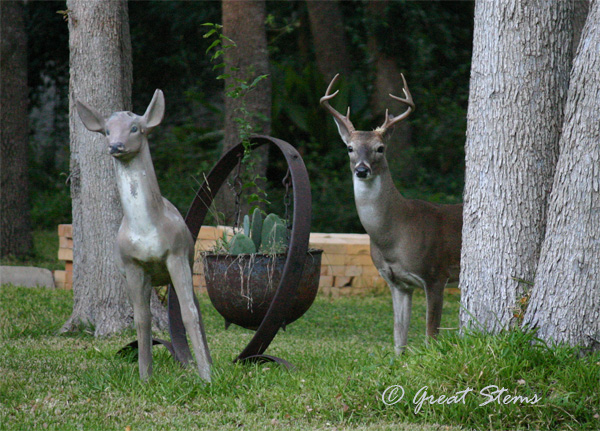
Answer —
238 88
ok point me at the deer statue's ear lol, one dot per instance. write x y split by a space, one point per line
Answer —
91 119
156 110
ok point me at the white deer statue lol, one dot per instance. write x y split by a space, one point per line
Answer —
413 243
154 246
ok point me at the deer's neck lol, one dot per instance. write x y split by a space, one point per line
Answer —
139 191
378 203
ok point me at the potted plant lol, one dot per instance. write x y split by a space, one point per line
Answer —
243 272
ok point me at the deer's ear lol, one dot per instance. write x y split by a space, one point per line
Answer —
343 131
91 119
156 110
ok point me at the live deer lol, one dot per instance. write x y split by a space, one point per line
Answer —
154 246
413 243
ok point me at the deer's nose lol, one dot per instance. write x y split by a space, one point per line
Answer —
362 171
115 148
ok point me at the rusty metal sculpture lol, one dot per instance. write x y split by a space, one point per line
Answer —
287 296
242 287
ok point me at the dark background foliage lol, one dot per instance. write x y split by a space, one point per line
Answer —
430 42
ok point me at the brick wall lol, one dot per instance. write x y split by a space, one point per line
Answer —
346 267
64 279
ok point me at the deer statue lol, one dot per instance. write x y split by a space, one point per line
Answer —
154 246
413 243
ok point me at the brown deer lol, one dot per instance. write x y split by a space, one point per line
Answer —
413 243
154 246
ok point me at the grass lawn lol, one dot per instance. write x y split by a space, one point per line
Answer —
344 361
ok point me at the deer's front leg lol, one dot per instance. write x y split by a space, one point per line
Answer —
435 302
402 303
181 276
139 290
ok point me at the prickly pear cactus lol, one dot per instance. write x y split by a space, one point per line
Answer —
246 225
241 244
274 235
256 228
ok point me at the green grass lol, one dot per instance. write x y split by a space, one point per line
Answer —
344 361
44 253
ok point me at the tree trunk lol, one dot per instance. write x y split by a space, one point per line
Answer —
15 224
100 75
244 23
580 13
565 302
327 28
519 82
388 80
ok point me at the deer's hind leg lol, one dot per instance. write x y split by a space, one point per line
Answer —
435 303
139 291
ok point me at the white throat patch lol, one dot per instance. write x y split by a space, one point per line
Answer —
366 196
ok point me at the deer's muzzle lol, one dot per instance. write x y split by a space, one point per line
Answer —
116 148
362 171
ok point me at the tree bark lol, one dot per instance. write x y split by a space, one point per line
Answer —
565 302
15 223
100 75
244 23
327 28
580 13
519 82
388 80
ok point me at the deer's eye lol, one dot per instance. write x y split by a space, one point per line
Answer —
350 149
107 132
380 149
134 129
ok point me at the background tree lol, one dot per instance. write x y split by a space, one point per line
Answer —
100 75
244 24
15 226
519 81
565 301
329 38
387 76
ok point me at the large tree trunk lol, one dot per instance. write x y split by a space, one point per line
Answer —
327 28
580 13
244 23
565 302
388 80
101 75
15 225
519 82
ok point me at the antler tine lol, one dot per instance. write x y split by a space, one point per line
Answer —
345 120
390 121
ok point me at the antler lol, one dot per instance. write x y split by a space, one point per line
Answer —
325 102
391 120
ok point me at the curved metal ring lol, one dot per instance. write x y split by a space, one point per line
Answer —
298 247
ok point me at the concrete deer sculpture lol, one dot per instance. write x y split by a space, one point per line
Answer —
153 246
413 243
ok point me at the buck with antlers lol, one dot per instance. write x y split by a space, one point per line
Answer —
154 246
413 243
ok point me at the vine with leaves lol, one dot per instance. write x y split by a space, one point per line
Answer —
238 88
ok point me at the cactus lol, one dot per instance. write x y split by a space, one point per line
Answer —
246 225
274 235
241 244
267 227
268 236
256 228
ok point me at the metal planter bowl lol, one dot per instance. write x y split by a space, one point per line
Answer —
242 287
